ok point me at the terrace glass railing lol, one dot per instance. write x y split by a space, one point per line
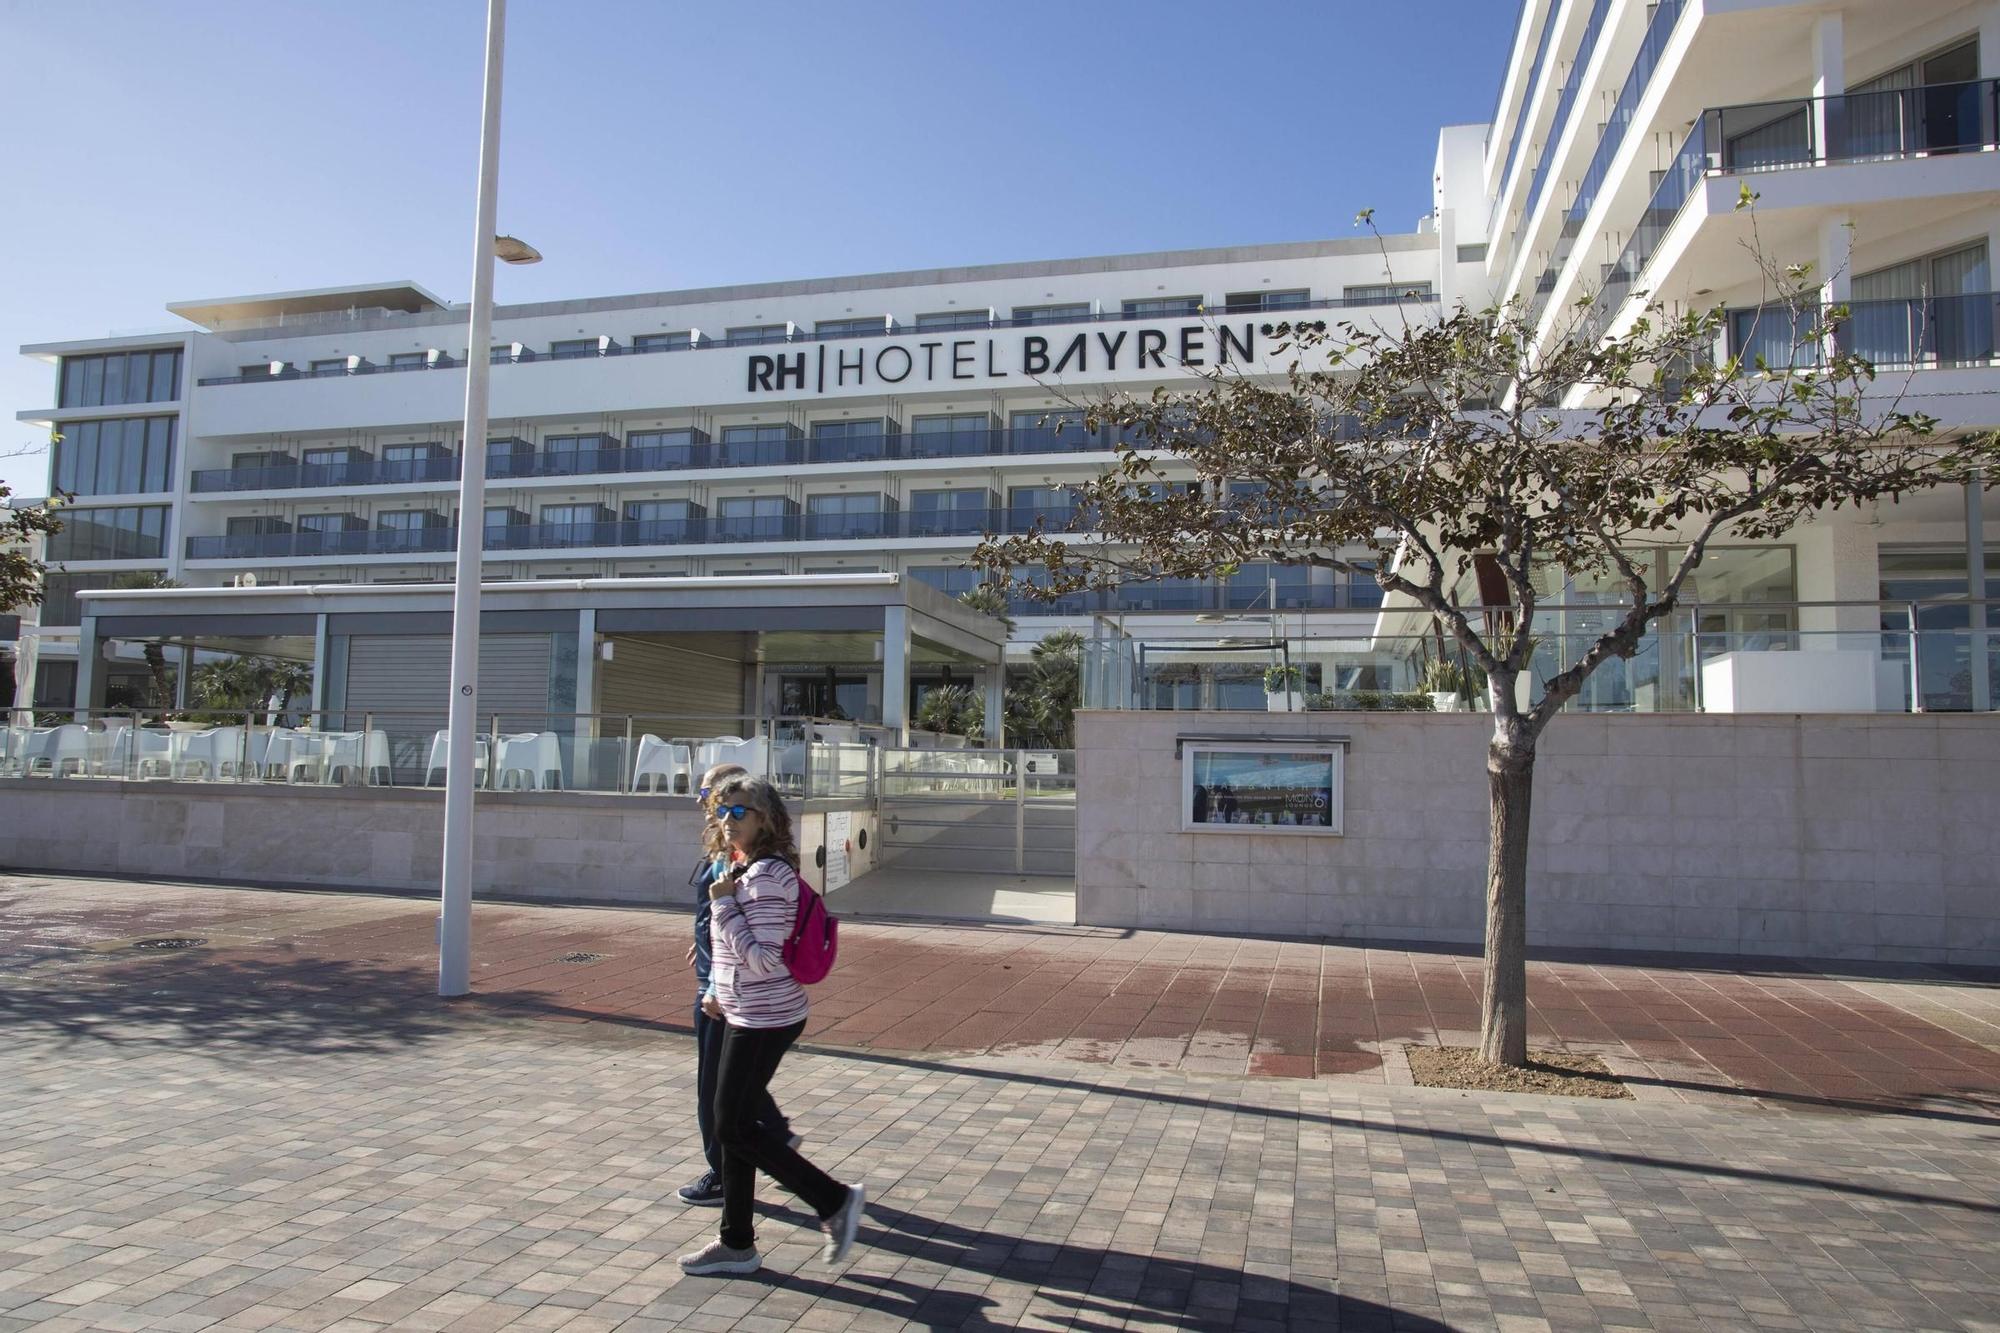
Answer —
1891 657
1794 133
649 755
528 355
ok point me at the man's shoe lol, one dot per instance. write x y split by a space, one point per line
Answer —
704 1193
840 1228
715 1257
794 1141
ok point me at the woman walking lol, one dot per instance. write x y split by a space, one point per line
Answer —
753 907
707 1191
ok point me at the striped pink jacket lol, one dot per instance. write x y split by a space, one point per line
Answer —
747 933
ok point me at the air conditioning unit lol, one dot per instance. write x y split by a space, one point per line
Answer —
243 581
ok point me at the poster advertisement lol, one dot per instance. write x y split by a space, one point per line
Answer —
1261 788
839 828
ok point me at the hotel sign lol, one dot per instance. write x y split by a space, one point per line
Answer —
826 367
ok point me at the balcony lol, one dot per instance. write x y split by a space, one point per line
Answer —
612 460
329 372
1916 334
1932 120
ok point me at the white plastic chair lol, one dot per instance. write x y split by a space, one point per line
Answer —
68 743
534 755
717 750
153 750
441 754
214 751
306 753
664 759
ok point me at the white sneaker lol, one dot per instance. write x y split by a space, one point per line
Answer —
840 1228
715 1257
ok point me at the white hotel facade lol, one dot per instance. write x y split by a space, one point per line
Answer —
884 422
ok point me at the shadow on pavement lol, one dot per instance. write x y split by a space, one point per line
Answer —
222 1006
1101 1289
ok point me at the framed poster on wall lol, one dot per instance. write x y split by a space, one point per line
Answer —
1258 788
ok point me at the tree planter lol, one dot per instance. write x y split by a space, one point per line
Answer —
1289 701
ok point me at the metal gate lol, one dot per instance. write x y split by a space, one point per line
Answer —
1007 812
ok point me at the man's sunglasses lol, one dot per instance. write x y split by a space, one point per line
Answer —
732 812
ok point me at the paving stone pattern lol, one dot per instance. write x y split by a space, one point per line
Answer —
268 1160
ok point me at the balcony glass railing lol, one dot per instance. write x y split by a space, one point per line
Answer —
667 458
529 355
1593 27
1539 71
1919 332
1617 123
866 525
1932 120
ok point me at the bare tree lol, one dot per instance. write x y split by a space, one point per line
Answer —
1411 452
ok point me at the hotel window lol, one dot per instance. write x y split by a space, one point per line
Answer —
568 455
121 377
416 462
844 517
652 450
334 467
408 360
754 446
409 520
1163 307
870 326
328 534
127 457
751 335
1050 432
510 457
1472 254
1248 302
502 518
950 580
849 441
958 435
664 521
333 365
1027 503
575 349
59 603
663 342
504 353
1387 293
578 525
1069 312
745 518
955 319
963 512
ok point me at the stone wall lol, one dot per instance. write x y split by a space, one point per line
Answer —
545 845
1874 837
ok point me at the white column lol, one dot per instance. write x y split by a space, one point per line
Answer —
585 703
896 671
996 700
1835 266
1829 52
90 677
1989 39
318 703
455 898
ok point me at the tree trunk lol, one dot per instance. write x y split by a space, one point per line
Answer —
163 689
1510 778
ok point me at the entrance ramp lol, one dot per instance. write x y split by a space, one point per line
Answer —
973 834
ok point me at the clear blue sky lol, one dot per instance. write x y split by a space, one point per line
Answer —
159 152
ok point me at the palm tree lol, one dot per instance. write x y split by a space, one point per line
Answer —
156 652
1044 703
990 600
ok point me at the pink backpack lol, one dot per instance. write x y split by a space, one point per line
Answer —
815 939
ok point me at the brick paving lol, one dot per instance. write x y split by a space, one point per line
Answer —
1779 1033
270 1133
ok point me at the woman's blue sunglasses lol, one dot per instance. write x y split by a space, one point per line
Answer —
731 812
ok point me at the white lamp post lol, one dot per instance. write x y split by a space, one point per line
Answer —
455 907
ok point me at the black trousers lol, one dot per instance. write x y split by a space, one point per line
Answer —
750 1057
707 1056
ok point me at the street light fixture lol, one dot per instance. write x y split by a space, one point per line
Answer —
455 896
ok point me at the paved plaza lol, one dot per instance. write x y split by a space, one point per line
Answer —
283 1128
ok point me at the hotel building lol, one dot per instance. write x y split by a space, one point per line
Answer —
883 423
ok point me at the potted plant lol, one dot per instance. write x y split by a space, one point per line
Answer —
1281 690
1448 683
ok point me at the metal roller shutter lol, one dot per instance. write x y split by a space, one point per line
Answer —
403 680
